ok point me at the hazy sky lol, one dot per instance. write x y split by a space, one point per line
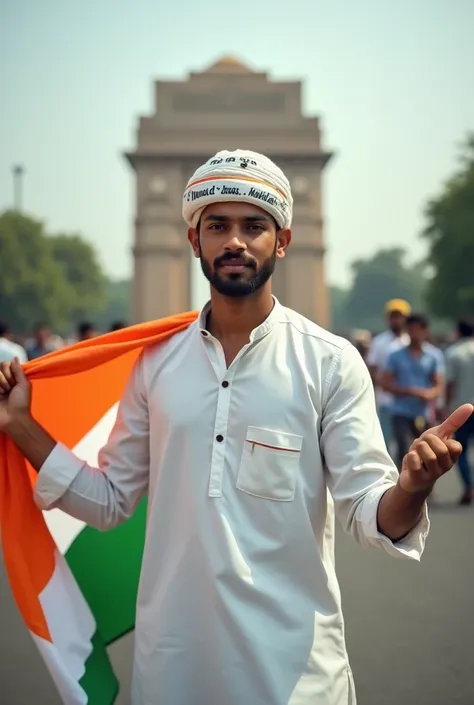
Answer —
391 81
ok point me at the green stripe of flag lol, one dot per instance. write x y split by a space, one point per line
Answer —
99 680
106 566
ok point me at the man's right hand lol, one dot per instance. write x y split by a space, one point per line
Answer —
416 392
422 394
15 394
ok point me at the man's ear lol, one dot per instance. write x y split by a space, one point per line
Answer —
193 237
283 241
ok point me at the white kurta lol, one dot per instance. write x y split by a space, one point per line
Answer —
238 601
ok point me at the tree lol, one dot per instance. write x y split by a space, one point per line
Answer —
33 287
338 298
377 279
118 294
450 234
79 262
54 279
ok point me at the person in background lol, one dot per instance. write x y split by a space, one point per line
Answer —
42 343
86 331
413 376
56 342
396 312
460 385
117 325
361 340
8 349
436 408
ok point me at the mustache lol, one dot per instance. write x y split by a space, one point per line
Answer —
229 258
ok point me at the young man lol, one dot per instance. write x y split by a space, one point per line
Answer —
394 338
235 429
86 331
460 385
413 376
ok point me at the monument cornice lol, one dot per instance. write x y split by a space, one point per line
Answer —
196 152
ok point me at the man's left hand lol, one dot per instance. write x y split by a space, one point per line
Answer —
433 453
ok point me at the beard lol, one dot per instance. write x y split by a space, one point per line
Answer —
238 284
396 328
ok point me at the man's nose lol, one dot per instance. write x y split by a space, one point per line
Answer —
236 241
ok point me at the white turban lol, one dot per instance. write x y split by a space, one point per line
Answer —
239 176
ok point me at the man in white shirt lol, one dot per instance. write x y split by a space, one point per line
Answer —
391 340
235 429
8 349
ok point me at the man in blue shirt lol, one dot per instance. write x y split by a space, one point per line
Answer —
413 375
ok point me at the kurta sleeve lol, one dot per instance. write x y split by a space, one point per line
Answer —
358 465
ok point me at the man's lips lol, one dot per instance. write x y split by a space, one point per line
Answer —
233 266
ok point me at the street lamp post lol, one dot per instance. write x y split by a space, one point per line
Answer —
18 172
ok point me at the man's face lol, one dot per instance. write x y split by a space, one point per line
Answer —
418 333
396 321
87 334
238 245
43 335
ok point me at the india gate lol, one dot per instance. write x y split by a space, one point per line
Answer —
227 106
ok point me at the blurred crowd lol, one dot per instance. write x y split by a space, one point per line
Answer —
418 380
43 340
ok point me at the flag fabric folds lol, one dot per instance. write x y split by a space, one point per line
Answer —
76 587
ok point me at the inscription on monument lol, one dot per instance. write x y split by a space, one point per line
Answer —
229 102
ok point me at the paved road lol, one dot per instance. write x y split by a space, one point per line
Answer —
410 626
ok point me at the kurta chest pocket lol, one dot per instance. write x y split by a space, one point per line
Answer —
270 463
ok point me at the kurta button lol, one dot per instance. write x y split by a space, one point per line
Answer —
219 438
225 383
204 332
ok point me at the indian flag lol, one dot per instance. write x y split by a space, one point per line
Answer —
76 587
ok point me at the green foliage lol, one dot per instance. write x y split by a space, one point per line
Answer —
377 279
80 265
338 299
450 236
118 297
33 287
51 279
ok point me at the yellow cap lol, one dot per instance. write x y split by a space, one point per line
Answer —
399 305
